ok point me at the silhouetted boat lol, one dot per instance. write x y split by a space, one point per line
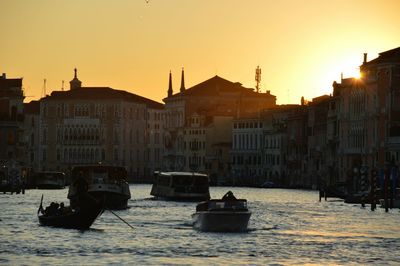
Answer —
80 218
180 186
222 215
103 182
50 180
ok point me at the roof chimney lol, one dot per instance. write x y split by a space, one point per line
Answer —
3 76
365 58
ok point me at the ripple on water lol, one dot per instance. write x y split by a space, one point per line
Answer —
286 227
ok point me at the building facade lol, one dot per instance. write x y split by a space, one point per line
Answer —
207 108
11 119
88 125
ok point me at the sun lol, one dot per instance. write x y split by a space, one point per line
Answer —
357 74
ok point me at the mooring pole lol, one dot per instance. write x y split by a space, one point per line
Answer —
385 187
373 189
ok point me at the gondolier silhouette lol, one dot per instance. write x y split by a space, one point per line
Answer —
81 184
81 187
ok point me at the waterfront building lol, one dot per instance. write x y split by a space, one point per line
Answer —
297 146
317 167
248 151
381 82
214 103
357 126
11 119
87 125
275 144
332 159
32 135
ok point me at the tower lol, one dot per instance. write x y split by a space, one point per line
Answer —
183 81
44 88
75 83
170 92
258 78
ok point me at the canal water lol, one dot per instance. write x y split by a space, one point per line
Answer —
287 227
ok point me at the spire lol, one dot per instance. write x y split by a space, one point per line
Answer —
75 83
183 81
170 92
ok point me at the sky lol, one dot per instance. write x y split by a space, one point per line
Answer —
301 46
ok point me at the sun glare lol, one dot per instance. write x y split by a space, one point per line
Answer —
357 75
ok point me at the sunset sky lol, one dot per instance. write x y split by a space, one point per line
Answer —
301 46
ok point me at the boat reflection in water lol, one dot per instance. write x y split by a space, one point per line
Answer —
180 186
222 215
103 182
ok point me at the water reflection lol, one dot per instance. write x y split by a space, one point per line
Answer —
286 227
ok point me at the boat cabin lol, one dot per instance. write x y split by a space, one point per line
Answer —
180 185
49 180
100 174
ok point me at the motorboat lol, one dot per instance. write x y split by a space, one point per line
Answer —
102 182
188 186
81 217
49 180
222 215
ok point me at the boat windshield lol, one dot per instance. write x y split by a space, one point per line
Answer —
234 204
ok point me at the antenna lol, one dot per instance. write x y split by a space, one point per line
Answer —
44 88
258 78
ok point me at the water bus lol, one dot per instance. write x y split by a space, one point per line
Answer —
49 180
180 186
101 181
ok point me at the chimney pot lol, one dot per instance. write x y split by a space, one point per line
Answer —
365 58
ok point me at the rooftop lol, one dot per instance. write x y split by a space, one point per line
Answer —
103 93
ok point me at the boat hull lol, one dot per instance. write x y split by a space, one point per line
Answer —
81 219
221 221
115 196
50 186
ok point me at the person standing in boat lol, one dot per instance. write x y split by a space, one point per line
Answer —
81 186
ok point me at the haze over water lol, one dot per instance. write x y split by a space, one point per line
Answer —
286 227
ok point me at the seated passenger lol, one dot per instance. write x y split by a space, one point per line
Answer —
229 196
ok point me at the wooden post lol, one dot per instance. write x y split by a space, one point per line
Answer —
385 187
393 178
363 177
373 189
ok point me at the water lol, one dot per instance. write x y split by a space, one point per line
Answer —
286 227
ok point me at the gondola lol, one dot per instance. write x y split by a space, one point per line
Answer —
80 218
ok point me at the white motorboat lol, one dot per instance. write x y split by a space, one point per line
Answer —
222 215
